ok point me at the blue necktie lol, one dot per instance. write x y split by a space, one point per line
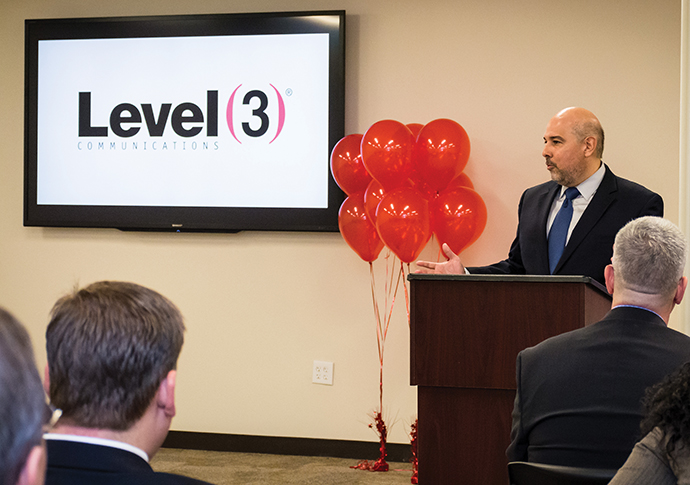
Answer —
559 229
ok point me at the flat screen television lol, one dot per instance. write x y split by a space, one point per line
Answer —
221 122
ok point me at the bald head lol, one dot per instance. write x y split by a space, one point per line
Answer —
583 123
573 143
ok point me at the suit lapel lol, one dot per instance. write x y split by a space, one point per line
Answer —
603 198
543 207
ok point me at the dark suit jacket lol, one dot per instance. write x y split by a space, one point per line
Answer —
616 202
72 463
578 399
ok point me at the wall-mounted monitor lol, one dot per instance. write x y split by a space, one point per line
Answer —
184 123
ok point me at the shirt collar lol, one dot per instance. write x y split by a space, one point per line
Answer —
98 441
639 308
589 187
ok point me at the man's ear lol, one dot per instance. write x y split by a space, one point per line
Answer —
166 394
608 278
590 144
34 470
680 290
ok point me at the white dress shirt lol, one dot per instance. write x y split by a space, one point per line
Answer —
587 190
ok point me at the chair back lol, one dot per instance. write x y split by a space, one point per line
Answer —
523 473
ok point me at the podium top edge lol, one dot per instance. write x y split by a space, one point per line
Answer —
509 278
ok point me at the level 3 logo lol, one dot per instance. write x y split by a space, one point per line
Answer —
257 114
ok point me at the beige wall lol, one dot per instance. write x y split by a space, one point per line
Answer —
260 307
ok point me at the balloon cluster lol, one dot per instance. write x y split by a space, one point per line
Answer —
405 182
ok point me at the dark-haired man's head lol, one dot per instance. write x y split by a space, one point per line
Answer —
112 353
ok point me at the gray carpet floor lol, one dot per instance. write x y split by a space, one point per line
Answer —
253 469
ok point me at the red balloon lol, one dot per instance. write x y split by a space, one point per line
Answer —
415 128
372 196
441 153
347 167
423 187
458 217
359 233
461 180
387 152
402 220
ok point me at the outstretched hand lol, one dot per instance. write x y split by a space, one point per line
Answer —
452 266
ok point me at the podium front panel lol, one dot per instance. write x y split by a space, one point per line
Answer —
467 332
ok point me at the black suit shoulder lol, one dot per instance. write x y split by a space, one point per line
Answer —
616 202
626 198
578 398
72 463
625 328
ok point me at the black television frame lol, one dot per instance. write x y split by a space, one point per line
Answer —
187 219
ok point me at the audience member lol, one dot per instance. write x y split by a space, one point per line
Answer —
23 409
112 357
555 235
578 399
663 455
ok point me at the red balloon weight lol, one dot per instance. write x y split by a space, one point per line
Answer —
461 180
359 233
441 153
402 220
458 217
415 128
372 196
347 167
387 152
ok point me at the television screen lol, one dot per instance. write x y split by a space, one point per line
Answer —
186 123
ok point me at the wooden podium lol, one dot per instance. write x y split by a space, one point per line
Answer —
466 332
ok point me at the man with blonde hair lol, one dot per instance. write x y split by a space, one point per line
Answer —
112 358
578 398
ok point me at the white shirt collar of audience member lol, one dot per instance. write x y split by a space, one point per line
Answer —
98 441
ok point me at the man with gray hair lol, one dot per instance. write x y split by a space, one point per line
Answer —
578 398
23 409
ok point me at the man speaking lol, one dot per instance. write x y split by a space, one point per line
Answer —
567 226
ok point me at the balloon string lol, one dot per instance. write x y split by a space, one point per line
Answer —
377 313
381 387
383 328
400 274
392 284
380 334
389 278
407 296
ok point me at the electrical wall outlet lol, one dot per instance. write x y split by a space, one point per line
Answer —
323 373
